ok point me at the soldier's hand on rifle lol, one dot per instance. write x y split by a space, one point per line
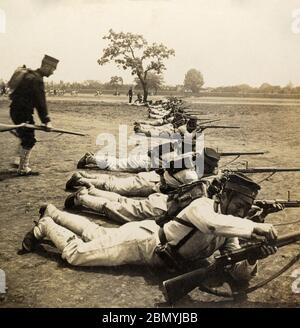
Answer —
266 251
254 214
264 232
48 126
261 253
271 208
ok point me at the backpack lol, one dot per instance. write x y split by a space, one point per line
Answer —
17 78
181 198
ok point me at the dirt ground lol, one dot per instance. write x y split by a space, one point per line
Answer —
42 279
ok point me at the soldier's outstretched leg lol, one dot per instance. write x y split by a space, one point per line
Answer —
118 208
140 185
83 199
78 224
46 227
129 244
59 235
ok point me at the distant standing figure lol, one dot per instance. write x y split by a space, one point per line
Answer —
130 94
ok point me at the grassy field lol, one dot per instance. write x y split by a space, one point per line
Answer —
43 280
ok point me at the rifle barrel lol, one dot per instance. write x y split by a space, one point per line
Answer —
207 121
286 203
253 170
287 239
223 154
219 127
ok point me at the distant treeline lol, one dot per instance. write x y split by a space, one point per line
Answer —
243 90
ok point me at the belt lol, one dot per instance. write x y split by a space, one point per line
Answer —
162 236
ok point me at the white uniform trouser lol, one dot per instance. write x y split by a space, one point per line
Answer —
155 122
151 115
156 131
132 243
120 208
136 163
142 184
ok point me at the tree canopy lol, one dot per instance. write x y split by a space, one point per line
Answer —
193 80
155 82
116 81
132 51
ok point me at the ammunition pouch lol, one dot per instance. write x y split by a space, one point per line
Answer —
180 198
183 196
166 254
180 164
170 254
166 189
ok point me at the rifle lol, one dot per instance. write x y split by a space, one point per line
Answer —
201 128
8 127
177 287
287 203
241 153
206 122
273 170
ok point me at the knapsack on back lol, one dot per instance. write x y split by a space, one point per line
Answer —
17 78
181 198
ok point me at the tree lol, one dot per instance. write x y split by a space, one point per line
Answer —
116 81
154 81
193 80
265 88
132 51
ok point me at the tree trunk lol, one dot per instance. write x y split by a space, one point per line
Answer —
145 88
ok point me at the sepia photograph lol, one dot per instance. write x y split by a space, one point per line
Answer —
150 156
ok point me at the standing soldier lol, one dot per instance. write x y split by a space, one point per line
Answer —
130 94
28 92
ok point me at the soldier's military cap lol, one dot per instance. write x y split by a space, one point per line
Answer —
211 157
193 118
242 184
50 61
192 122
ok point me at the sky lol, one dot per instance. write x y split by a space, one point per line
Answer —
229 41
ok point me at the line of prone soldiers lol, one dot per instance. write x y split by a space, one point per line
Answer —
173 212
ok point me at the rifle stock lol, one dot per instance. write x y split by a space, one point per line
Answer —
10 127
176 288
43 128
